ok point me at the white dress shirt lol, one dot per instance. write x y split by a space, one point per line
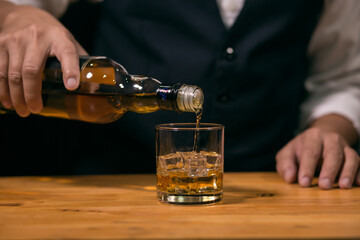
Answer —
333 82
334 53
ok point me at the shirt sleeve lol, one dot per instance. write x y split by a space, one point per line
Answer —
55 7
334 52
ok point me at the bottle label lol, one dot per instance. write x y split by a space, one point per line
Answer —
166 97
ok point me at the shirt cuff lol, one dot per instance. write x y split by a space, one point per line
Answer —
344 103
56 7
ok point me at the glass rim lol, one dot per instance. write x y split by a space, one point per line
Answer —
189 127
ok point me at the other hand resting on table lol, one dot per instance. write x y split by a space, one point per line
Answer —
324 146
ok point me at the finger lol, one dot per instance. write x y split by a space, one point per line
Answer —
4 86
286 163
309 156
333 155
33 66
357 178
16 56
350 168
66 53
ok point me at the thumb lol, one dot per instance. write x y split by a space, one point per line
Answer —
66 53
286 164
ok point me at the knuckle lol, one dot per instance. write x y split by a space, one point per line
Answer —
61 33
334 154
310 153
350 152
314 131
335 138
64 44
65 51
69 50
15 37
31 70
35 29
59 30
15 78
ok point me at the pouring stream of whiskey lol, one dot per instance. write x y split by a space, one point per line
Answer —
198 113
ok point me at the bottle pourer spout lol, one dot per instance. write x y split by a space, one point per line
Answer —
190 98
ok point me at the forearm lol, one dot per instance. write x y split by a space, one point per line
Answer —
337 124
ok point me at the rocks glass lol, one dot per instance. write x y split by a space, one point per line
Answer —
190 163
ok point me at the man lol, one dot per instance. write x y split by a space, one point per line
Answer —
251 62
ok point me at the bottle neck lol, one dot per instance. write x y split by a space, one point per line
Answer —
180 97
166 97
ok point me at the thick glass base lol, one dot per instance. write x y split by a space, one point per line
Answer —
188 199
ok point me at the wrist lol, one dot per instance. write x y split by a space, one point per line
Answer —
335 123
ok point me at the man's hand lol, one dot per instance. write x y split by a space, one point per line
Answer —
325 146
28 36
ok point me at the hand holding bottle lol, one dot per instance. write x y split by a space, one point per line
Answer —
28 37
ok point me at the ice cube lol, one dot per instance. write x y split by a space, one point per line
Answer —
195 164
172 162
213 160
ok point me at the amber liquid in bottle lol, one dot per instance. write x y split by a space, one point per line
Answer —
88 103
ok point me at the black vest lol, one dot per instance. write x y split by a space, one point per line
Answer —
252 76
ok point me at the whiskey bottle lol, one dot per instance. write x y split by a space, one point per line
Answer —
107 91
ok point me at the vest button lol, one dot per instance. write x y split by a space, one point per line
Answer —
229 54
224 96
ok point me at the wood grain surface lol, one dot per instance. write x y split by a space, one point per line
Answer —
255 206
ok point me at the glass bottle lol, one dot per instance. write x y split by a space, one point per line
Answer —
107 91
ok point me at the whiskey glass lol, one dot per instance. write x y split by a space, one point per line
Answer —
189 163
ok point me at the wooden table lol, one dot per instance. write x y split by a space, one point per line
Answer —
255 205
